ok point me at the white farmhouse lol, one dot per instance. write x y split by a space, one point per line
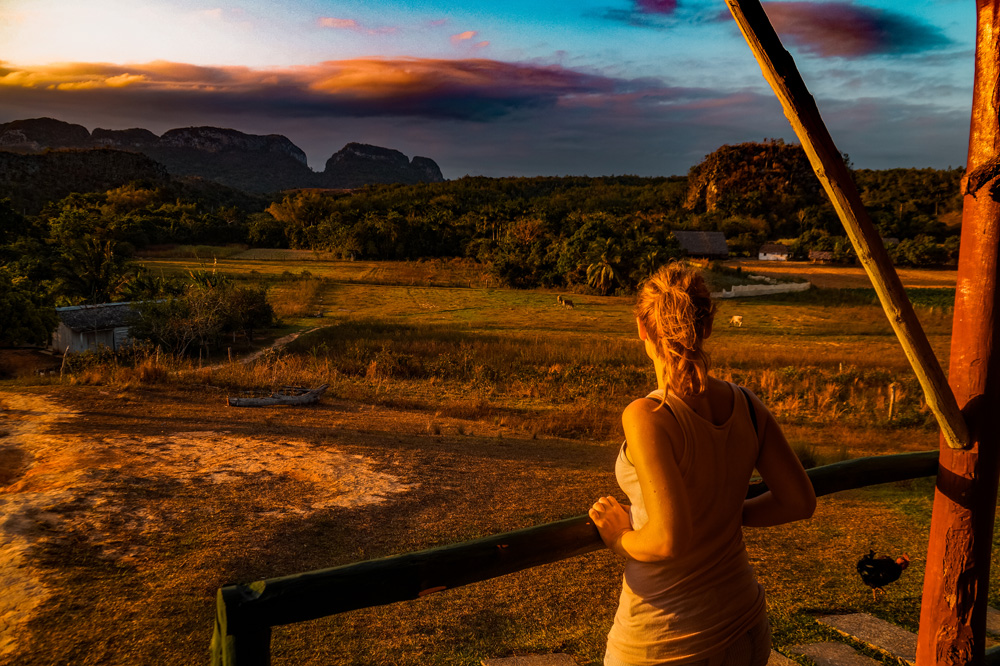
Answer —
773 252
83 327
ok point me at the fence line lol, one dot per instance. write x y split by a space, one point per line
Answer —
245 613
761 289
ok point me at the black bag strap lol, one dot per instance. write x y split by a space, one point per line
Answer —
753 410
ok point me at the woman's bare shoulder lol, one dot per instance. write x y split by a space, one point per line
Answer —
645 413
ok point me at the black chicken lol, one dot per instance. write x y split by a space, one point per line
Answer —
877 572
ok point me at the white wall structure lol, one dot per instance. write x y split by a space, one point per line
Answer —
741 290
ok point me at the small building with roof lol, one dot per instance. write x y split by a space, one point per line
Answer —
83 327
710 244
773 252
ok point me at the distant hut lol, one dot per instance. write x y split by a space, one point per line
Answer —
84 327
709 244
820 256
773 252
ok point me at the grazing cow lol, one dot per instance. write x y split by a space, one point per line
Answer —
736 320
567 303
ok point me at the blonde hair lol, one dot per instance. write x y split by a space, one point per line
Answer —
676 310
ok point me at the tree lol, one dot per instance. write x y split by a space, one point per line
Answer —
247 309
603 274
25 317
202 314
91 261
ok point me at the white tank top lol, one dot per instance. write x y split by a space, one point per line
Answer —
691 606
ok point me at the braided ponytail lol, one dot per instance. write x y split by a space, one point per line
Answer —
676 310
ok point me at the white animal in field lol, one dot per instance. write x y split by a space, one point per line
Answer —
567 303
559 299
736 320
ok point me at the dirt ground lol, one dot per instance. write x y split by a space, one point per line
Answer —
63 470
126 510
123 511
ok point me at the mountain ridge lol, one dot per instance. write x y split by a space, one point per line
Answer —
249 162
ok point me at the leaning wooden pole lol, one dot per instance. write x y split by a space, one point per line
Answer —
956 581
800 109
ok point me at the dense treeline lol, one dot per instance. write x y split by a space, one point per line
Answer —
79 251
603 234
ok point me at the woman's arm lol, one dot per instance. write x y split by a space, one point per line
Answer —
790 494
669 525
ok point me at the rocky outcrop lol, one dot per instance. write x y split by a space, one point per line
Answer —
128 139
249 162
37 134
428 169
217 140
359 164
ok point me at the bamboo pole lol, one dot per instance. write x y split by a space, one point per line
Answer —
956 580
245 613
800 109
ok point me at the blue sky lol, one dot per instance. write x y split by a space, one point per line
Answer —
592 87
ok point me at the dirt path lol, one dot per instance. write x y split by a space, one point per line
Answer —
69 484
47 470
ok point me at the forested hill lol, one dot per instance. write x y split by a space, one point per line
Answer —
604 234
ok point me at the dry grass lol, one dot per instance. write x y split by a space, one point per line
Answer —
299 298
830 276
199 252
271 263
491 410
170 530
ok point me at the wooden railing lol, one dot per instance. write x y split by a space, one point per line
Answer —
245 613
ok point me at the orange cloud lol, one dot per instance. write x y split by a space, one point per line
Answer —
464 36
70 77
338 23
470 89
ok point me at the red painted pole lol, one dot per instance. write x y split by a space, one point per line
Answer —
956 582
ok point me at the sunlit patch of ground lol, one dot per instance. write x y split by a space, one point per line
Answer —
65 484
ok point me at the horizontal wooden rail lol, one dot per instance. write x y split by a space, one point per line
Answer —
780 72
246 613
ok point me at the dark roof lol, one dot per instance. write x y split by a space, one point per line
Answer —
773 248
703 243
821 255
95 317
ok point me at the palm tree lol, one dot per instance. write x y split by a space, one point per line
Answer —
649 263
602 274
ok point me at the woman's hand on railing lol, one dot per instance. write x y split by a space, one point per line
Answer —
612 521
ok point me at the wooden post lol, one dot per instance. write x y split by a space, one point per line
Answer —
800 109
237 640
956 581
892 400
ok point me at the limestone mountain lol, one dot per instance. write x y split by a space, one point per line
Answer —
248 162
358 164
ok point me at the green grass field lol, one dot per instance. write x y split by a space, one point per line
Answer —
494 410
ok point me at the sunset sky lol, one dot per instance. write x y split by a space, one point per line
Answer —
537 87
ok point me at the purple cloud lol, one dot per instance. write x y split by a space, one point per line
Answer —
466 89
846 30
656 6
